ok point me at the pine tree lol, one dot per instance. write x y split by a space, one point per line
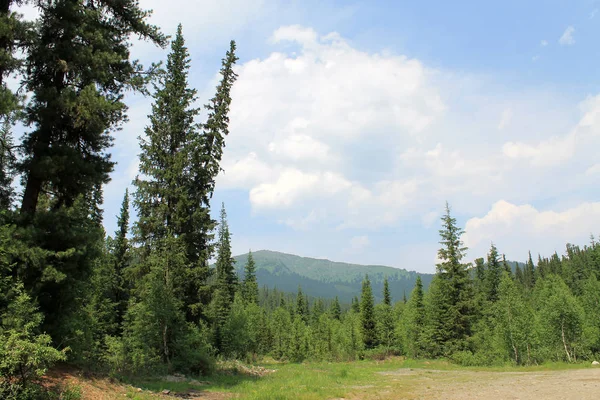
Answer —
493 274
301 305
387 299
385 318
225 265
250 286
506 266
78 69
452 302
529 273
121 259
336 310
367 315
13 37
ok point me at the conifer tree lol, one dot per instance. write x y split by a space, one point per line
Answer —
78 69
387 299
452 298
205 152
493 274
121 259
250 286
367 315
529 273
385 318
506 266
301 305
336 310
225 265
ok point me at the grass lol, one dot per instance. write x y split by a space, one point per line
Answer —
325 380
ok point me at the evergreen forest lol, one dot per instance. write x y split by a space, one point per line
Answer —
163 294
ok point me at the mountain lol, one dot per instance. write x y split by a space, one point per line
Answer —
327 279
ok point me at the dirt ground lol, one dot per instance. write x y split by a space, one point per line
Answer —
580 384
406 383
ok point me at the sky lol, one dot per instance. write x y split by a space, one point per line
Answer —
352 123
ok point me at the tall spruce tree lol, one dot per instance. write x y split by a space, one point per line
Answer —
225 266
121 258
387 298
78 69
205 154
529 273
367 315
453 299
250 285
301 305
385 317
14 36
336 310
493 274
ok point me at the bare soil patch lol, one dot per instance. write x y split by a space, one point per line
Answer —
580 384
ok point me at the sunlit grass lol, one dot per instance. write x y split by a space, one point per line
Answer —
327 380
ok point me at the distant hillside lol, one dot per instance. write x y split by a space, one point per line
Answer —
327 279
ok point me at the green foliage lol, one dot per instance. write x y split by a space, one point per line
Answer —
25 354
450 303
412 323
250 285
367 315
559 320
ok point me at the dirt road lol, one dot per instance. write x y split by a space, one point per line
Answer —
580 384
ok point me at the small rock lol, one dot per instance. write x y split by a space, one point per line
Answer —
166 391
138 389
595 363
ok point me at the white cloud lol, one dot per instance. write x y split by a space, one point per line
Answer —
547 153
567 38
516 229
593 13
559 149
505 118
318 104
245 172
300 147
293 184
544 43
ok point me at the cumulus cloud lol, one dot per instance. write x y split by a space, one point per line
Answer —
516 229
567 38
544 43
292 185
319 103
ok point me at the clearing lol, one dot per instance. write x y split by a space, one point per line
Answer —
390 379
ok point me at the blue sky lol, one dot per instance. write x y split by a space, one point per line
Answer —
353 122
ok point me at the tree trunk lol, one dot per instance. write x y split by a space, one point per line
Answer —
31 194
562 329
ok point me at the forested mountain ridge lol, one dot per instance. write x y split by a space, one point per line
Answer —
325 278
